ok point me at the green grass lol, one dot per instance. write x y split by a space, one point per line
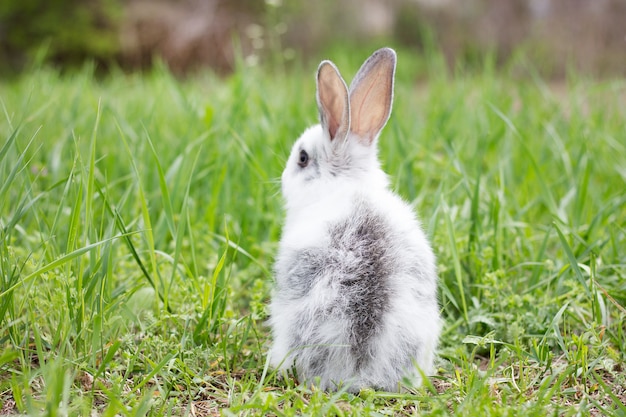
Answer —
139 216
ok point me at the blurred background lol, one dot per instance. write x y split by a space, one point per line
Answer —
588 36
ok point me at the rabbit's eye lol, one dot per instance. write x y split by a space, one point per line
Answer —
304 159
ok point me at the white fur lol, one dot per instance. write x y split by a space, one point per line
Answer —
315 199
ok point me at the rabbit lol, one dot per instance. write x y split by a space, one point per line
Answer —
355 300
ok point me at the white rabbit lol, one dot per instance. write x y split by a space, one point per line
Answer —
355 303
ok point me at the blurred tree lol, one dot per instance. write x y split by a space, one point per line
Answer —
68 30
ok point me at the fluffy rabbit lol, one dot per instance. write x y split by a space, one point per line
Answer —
355 303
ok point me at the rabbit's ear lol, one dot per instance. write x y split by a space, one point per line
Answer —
371 95
332 101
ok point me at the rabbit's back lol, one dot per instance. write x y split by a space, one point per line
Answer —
349 304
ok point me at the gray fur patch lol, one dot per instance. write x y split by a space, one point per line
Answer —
303 271
363 266
316 362
357 262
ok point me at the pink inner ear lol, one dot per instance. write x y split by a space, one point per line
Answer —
332 96
370 106
371 95
332 118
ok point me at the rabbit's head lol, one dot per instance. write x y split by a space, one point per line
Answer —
342 148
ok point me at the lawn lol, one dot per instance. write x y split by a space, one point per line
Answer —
140 213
